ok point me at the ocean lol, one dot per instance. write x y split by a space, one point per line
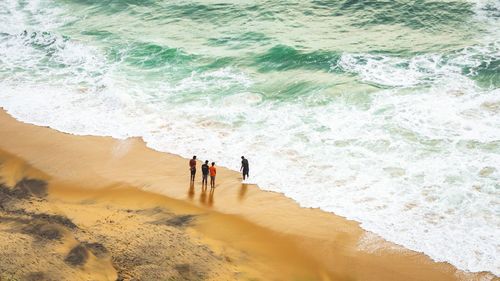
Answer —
384 112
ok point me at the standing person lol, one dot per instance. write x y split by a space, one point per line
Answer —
204 174
192 167
244 167
213 172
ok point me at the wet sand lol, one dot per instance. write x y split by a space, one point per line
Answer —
117 209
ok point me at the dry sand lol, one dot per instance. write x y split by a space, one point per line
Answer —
96 208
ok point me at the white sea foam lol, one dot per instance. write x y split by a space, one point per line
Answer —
392 71
417 163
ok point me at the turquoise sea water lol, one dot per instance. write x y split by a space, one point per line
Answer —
385 112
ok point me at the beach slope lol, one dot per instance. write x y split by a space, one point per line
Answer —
96 208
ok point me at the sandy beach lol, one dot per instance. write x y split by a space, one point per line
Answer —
97 208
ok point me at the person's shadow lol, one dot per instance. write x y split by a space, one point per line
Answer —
191 190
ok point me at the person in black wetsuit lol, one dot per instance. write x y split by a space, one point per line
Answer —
244 167
204 174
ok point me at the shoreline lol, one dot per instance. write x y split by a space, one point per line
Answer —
305 242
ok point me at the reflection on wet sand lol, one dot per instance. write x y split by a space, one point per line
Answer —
243 191
211 197
203 195
191 191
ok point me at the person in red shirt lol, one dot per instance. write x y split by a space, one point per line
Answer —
213 172
192 167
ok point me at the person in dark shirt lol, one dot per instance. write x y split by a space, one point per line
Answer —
192 167
204 174
244 167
